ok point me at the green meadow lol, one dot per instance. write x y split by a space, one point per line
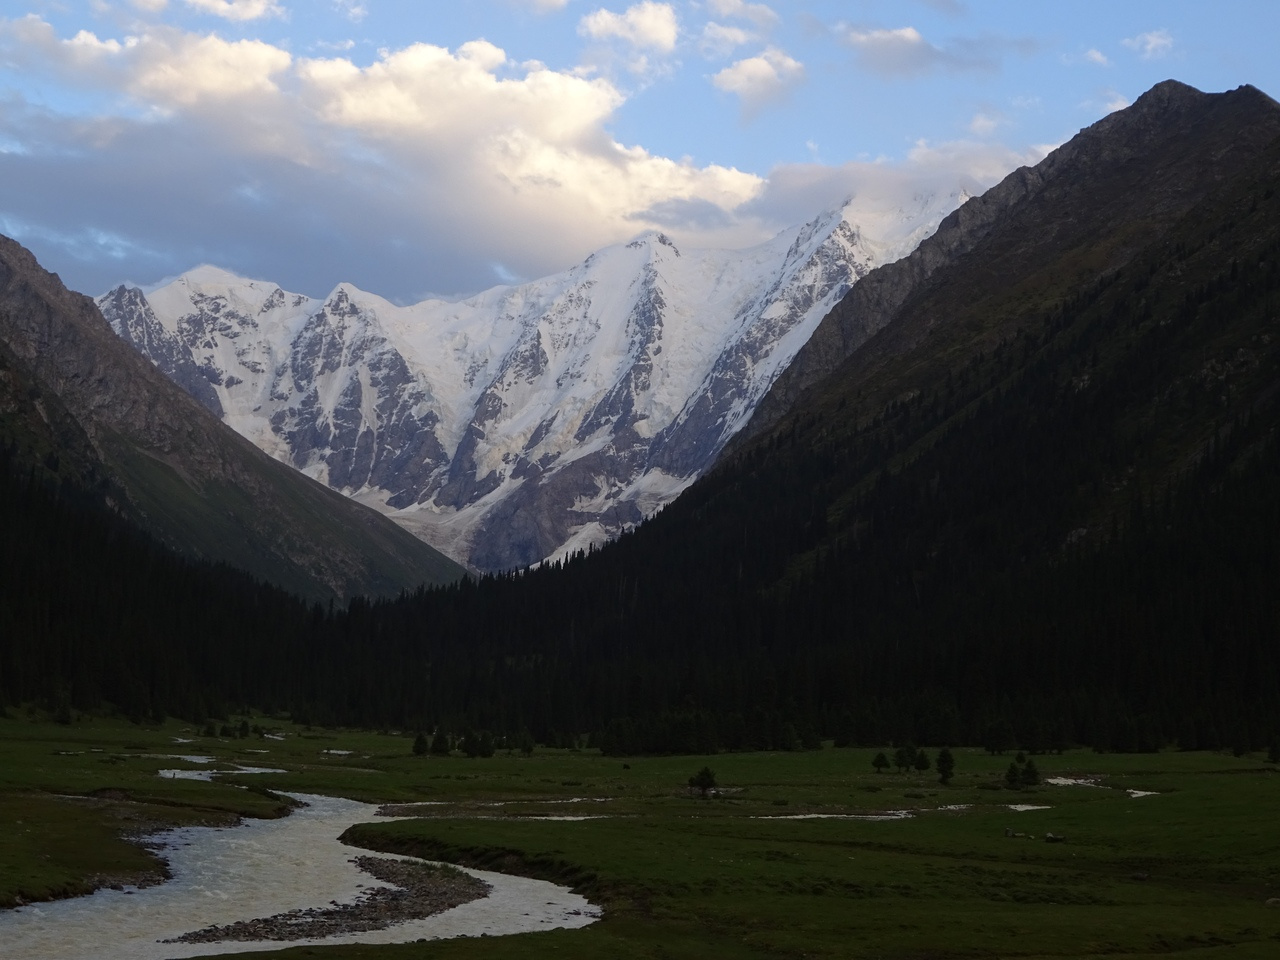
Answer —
772 864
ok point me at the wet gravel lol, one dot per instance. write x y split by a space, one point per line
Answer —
420 890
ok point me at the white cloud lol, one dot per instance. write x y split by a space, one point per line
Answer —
759 80
983 124
415 172
1152 45
351 9
165 67
1114 101
985 163
898 51
883 191
1098 57
238 9
544 6
718 40
150 6
428 160
904 51
648 24
758 13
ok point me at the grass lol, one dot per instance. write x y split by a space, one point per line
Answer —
1187 872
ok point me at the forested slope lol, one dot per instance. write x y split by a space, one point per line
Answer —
1042 507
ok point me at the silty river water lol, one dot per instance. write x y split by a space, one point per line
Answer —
259 869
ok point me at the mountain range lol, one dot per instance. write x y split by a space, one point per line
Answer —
1020 487
82 410
527 421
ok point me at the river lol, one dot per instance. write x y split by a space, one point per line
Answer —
258 869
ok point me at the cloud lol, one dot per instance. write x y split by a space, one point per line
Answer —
758 13
1113 101
646 25
1152 45
761 79
165 68
416 172
150 6
238 9
351 9
543 6
953 8
1098 57
685 214
905 52
413 173
718 40
983 124
882 192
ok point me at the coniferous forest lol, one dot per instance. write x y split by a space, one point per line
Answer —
1065 531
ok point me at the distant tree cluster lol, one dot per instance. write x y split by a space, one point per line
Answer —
909 757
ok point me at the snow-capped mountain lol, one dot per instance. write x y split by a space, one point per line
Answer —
527 420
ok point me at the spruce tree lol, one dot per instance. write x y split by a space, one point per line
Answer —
881 762
1030 776
420 744
946 766
704 780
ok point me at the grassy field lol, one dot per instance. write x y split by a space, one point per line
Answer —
1185 871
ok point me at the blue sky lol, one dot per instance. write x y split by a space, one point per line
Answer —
418 148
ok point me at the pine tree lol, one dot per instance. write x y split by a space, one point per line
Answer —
904 757
1013 776
704 780
946 765
420 744
881 762
1030 776
440 744
922 761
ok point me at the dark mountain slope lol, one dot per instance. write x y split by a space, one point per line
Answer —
88 409
1044 498
1081 213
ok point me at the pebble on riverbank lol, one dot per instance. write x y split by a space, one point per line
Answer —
421 890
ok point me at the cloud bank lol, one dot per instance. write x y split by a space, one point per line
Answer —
425 170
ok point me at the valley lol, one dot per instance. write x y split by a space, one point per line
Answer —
1015 493
811 851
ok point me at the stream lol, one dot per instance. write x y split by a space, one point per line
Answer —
258 869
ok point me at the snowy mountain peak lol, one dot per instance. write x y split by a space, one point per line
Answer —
529 419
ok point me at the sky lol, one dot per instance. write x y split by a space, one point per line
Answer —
440 147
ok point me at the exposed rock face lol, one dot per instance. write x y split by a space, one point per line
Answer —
527 420
1115 172
167 461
